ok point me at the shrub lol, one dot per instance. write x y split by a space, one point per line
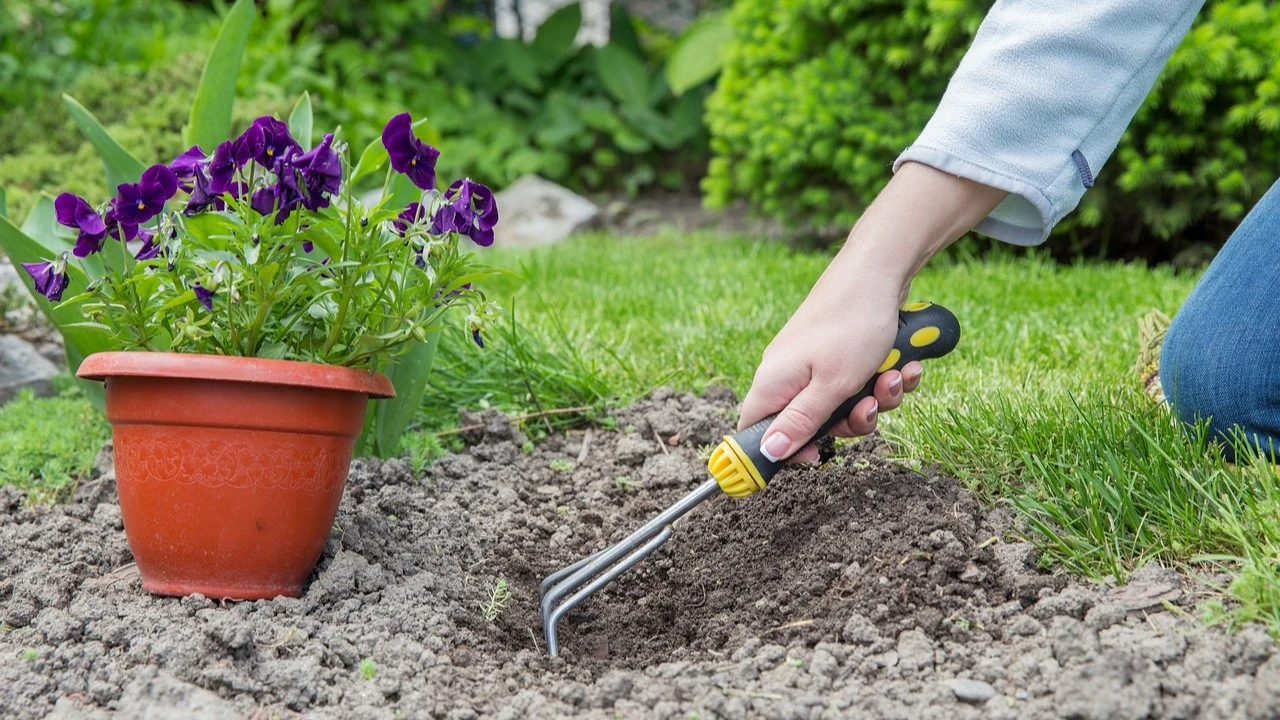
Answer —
143 109
819 96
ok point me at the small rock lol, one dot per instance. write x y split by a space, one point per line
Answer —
22 367
539 212
973 574
1013 559
972 691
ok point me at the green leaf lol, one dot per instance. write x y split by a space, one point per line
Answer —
686 116
554 42
80 342
371 160
408 373
4 203
622 74
300 121
401 191
519 63
41 224
210 121
661 130
622 30
699 53
375 157
120 166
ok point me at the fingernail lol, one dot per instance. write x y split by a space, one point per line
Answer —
776 446
871 413
895 383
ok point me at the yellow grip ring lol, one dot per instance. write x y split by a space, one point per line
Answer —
735 474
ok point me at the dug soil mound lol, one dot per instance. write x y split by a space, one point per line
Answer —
857 589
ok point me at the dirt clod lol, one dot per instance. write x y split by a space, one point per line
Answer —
856 588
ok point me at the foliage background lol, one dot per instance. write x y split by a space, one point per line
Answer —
819 96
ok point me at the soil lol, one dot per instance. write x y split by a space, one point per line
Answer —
859 588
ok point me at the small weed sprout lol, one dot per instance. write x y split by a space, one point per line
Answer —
498 598
561 465
626 483
526 447
368 670
30 654
795 662
704 452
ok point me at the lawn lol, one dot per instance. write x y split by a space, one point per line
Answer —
1038 407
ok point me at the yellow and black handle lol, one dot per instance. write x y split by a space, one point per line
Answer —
925 331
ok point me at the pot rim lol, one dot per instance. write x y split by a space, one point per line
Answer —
229 368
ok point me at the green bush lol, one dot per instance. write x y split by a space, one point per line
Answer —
819 96
145 110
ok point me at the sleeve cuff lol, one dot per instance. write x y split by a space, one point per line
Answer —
1024 218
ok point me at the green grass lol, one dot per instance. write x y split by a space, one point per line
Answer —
49 443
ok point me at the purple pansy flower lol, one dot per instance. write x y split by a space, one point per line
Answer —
74 211
276 141
412 213
204 296
222 167
150 249
138 202
321 171
408 154
251 143
122 231
50 280
202 194
264 200
185 166
474 211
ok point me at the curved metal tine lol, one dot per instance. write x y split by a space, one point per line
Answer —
564 572
604 578
627 545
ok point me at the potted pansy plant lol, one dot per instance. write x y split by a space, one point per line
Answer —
250 297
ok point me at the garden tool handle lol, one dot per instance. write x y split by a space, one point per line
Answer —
925 331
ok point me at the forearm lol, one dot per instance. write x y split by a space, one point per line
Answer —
1041 99
920 212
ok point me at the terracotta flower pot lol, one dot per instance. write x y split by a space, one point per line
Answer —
230 469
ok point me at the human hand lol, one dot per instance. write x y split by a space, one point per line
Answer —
822 356
843 331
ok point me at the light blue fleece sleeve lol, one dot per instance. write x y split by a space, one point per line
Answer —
1041 98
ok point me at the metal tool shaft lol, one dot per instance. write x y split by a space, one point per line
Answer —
634 548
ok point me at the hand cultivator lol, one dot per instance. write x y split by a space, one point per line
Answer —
737 469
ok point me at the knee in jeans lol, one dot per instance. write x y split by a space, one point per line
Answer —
1204 379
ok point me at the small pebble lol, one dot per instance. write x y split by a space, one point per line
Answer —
972 691
1022 695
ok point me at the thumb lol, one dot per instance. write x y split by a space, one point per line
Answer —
799 421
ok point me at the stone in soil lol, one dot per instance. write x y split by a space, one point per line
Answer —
22 367
858 589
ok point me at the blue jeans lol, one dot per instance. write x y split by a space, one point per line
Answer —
1221 357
